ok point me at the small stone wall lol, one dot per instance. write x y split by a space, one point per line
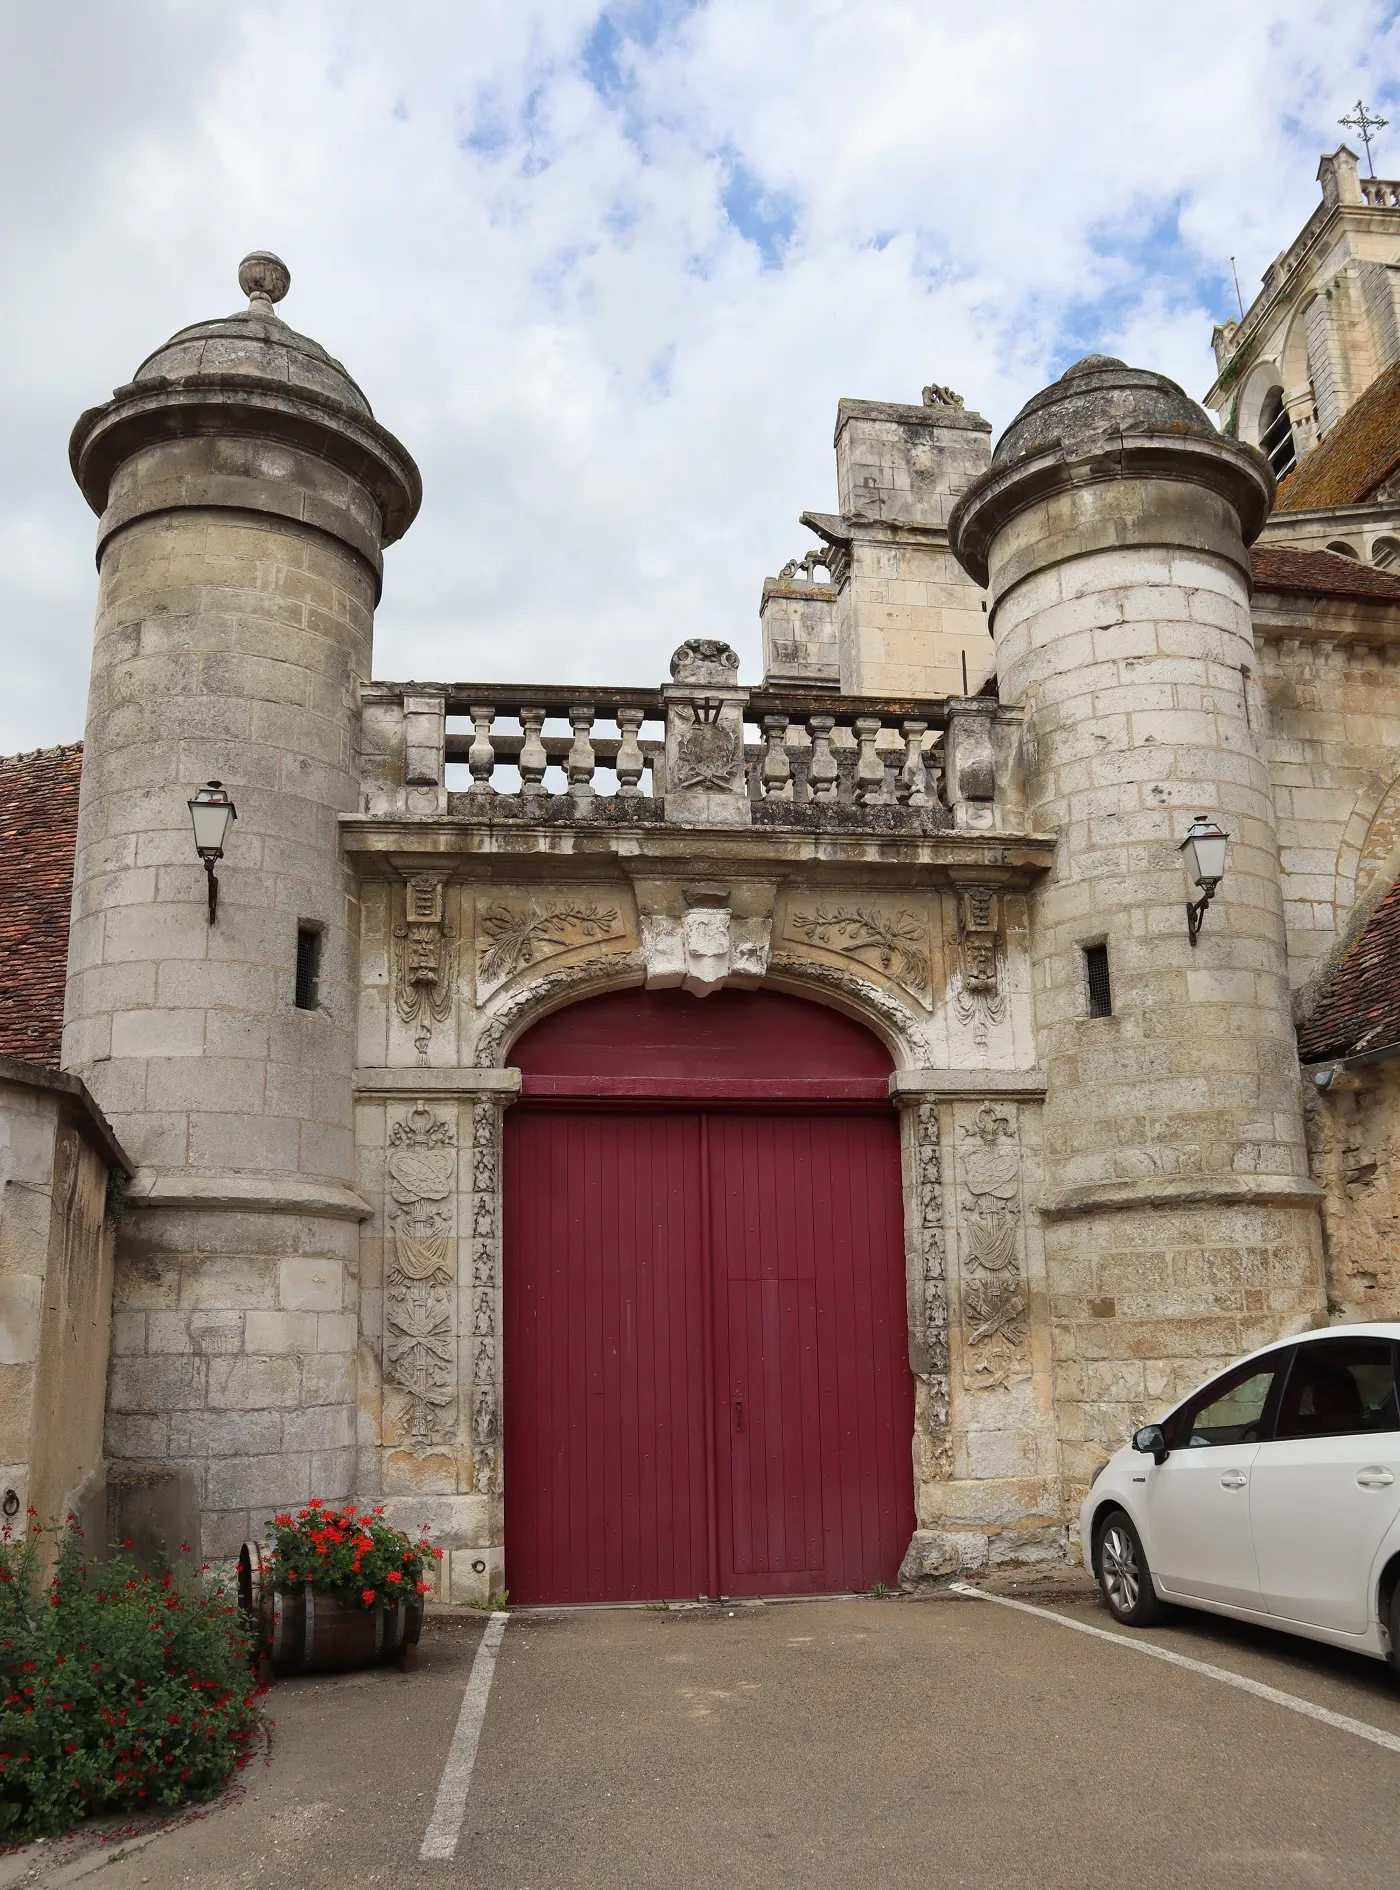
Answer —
56 1242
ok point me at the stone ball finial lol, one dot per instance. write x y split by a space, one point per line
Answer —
264 279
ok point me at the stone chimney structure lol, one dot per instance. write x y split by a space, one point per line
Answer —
895 617
245 494
1180 1224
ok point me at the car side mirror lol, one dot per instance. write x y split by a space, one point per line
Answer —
1151 1440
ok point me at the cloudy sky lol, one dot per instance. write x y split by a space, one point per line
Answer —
607 269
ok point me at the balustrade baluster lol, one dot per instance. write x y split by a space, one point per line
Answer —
913 776
776 769
481 756
870 769
582 760
630 759
533 759
821 769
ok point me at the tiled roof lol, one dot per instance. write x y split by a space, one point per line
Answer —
1320 574
1359 1008
1361 450
38 832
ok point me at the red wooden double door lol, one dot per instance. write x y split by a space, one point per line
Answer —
707 1386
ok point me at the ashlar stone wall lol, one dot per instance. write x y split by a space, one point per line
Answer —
56 1255
1353 1132
1328 671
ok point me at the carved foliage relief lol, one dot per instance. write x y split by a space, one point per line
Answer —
994 1293
515 935
889 940
420 1325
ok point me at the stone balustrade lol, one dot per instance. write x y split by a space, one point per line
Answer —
699 750
1380 193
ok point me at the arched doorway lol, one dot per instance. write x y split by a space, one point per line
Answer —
707 1383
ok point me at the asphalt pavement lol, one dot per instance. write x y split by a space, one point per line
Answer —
862 1742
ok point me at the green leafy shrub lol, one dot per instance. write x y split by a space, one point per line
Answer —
119 1691
356 1554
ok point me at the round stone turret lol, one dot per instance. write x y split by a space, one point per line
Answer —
1111 531
245 492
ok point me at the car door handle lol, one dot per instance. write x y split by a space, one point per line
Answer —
1375 1477
1233 1480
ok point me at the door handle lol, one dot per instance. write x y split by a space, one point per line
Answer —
1233 1480
738 1414
1375 1477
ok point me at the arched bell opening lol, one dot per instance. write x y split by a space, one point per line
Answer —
707 1386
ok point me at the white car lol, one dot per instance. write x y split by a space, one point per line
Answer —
1272 1494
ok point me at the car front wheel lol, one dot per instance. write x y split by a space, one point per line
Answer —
1124 1576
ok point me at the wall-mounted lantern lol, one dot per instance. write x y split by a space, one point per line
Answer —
211 810
1204 853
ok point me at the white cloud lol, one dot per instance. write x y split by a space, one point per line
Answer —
606 272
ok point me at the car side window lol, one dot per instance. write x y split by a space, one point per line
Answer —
1339 1388
1230 1411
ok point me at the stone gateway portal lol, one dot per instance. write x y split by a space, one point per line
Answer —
707 1383
718 1133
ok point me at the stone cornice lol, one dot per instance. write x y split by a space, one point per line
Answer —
1239 474
1282 617
1172 1191
951 419
451 1082
250 1194
147 412
484 850
937 1084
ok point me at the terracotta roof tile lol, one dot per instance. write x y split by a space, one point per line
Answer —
38 832
1359 1007
1351 461
1320 574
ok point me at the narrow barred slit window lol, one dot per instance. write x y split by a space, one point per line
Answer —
1096 977
308 966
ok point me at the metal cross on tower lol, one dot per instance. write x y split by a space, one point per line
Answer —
1361 120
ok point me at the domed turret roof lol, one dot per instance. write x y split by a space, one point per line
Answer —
1094 402
255 342
250 375
1103 421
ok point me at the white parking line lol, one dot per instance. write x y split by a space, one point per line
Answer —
1342 1721
445 1825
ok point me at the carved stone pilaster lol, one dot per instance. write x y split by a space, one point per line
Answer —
484 1300
420 1281
994 1299
929 1280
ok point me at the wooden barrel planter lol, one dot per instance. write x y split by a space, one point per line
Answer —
322 1630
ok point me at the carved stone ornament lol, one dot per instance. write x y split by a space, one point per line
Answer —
708 753
703 662
420 1343
892 942
515 934
994 1306
936 395
931 1272
978 998
485 1296
425 959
